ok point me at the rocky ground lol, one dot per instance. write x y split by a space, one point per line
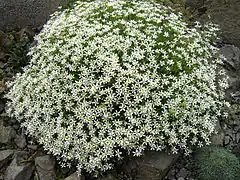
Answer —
22 158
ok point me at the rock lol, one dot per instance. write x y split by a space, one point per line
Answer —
180 178
183 173
74 176
195 4
5 157
20 141
231 63
16 126
218 139
225 13
21 156
227 140
153 165
236 96
2 105
13 121
171 174
32 147
2 58
180 165
236 150
19 14
108 177
4 40
230 132
2 86
45 166
65 170
238 138
236 124
17 171
6 133
232 55
235 138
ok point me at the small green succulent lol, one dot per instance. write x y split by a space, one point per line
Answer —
216 163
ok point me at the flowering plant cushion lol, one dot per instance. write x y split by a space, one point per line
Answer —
108 77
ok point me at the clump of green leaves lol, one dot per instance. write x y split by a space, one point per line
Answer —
17 55
216 163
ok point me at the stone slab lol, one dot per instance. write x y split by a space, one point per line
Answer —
17 14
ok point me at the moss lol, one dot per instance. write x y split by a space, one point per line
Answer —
216 163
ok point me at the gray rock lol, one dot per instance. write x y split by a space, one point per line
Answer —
179 165
236 96
2 86
16 126
232 55
171 174
227 140
6 133
4 40
74 176
231 62
180 178
218 139
238 138
19 14
154 165
236 149
45 166
65 170
225 13
183 173
13 121
1 103
196 4
2 59
5 157
19 171
20 141
229 132
108 177
32 147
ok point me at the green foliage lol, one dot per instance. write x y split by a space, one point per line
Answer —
17 55
216 163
